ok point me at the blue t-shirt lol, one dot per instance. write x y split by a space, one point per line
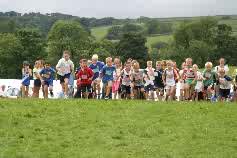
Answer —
107 73
96 69
49 74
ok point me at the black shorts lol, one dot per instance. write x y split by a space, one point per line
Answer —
86 88
62 78
224 93
149 88
138 87
126 89
206 87
37 83
159 86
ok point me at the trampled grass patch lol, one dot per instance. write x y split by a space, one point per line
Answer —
117 129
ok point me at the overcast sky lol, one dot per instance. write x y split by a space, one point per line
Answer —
124 8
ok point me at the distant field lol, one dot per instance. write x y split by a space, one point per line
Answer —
117 129
100 32
161 38
232 23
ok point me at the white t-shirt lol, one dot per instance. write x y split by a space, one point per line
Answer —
170 81
199 84
126 77
224 84
65 66
150 76
226 68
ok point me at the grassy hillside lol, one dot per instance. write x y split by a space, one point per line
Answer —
161 38
232 23
100 32
116 129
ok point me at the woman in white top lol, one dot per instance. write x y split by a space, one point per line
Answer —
65 67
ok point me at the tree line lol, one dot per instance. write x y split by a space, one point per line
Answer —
22 38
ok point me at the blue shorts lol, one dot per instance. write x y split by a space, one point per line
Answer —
47 82
26 82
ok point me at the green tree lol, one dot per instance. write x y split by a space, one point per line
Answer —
132 45
152 27
67 35
11 56
33 44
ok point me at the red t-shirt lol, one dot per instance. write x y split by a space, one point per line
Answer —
84 74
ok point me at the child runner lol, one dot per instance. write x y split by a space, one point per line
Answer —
169 79
181 82
149 80
47 75
65 67
225 84
199 84
107 77
85 76
209 80
78 92
217 68
137 81
190 76
116 84
96 67
37 78
158 82
26 74
126 81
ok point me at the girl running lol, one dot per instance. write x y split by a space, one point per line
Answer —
26 74
117 78
169 77
37 78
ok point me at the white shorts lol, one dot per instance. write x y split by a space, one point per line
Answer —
170 85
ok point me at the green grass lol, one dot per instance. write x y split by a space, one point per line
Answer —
100 32
161 38
116 129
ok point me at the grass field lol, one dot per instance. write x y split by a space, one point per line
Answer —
116 129
100 32
161 38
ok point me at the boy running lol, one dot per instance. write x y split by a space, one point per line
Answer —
137 81
85 76
107 77
96 67
209 80
47 76
158 82
65 67
126 81
149 80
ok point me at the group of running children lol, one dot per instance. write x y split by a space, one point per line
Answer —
113 80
